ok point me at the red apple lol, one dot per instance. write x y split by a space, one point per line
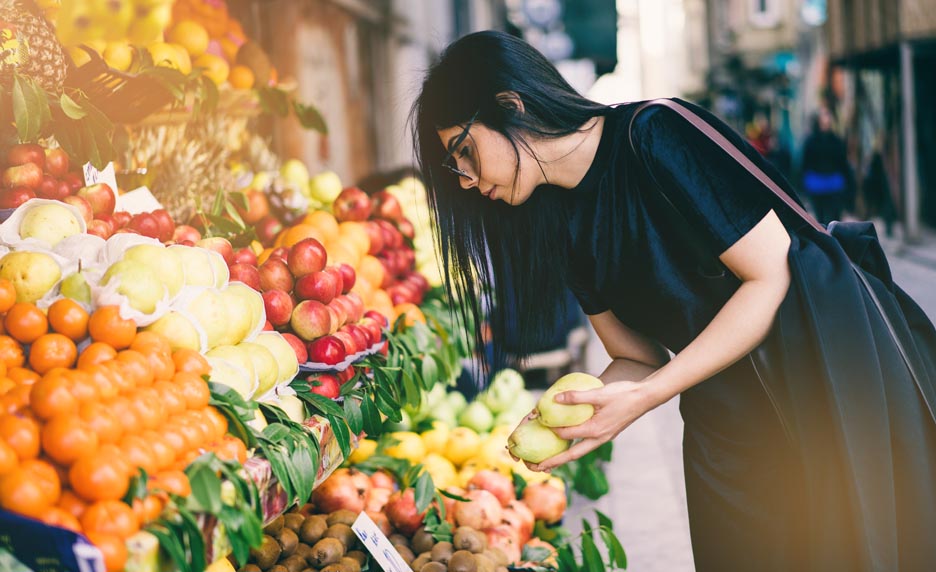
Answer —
386 206
376 235
100 228
246 273
48 188
24 153
274 275
122 218
183 232
101 197
278 306
319 286
310 320
145 224
280 253
374 332
348 341
257 207
324 384
392 236
406 228
268 327
267 229
220 245
360 336
63 189
339 278
381 320
166 224
199 221
397 296
82 205
56 162
28 175
352 204
306 256
298 346
75 181
335 319
109 219
245 256
343 307
346 375
348 277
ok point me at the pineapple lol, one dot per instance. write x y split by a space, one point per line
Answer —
29 47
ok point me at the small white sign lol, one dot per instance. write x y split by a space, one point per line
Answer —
139 200
92 176
379 545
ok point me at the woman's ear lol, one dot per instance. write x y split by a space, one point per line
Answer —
510 100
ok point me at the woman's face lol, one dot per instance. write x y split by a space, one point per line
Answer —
489 163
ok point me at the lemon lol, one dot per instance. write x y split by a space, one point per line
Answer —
241 77
118 55
441 470
164 55
214 67
365 448
409 447
185 61
436 438
190 35
463 444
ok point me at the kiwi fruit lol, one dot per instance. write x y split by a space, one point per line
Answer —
293 521
275 526
422 541
278 568
326 551
469 539
442 552
312 529
433 567
359 556
337 567
294 563
250 568
405 553
303 549
343 516
397 538
421 561
250 54
462 561
288 541
498 556
350 564
484 563
501 569
343 533
267 554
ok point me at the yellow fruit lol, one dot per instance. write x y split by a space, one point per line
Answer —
190 35
531 477
214 67
78 55
118 55
441 470
494 453
463 444
409 447
164 55
366 448
436 438
554 414
241 77
354 233
185 61
325 222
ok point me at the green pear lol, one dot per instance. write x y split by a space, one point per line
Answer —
294 171
210 311
250 300
553 414
264 364
49 223
293 407
476 416
165 262
239 358
179 330
239 318
534 442
75 286
283 353
230 374
457 401
222 274
195 264
33 274
140 284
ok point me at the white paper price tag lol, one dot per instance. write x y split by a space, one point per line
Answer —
92 176
378 545
139 200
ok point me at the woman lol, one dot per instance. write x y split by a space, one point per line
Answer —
800 453
827 175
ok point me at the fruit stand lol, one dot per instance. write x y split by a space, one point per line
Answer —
211 358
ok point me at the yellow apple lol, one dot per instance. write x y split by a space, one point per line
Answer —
33 274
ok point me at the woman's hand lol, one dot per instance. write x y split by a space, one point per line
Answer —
617 405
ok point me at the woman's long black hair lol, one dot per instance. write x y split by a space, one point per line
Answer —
511 259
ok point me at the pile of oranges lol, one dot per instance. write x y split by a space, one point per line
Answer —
77 425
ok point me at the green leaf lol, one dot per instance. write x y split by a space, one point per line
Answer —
274 100
171 544
26 112
519 484
591 481
310 118
70 108
195 540
323 404
453 496
342 435
424 491
535 553
587 529
604 451
306 469
275 432
371 417
411 392
592 558
616 555
603 520
565 559
353 415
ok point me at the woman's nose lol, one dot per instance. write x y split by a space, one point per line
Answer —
468 182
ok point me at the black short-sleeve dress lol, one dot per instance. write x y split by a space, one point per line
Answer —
776 479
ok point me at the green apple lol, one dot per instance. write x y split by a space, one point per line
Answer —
179 330
264 364
457 401
239 318
33 274
140 284
476 416
293 407
295 172
49 223
195 265
325 187
75 286
164 261
210 311
232 375
283 353
553 414
534 442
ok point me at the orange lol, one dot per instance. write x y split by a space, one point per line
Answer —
55 516
123 382
136 366
231 448
171 396
148 509
324 222
301 231
103 421
411 312
112 547
83 386
52 350
25 322
67 437
16 399
51 396
99 476
23 376
22 493
6 384
354 233
72 504
381 302
106 325
173 437
241 77
218 421
194 390
146 342
46 476
111 517
102 378
163 453
149 410
97 352
191 35
186 459
175 482
11 352
7 295
372 270
8 458
340 252
138 453
192 435
123 408
191 361
68 318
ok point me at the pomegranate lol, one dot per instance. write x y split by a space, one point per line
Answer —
383 480
502 537
381 520
519 517
498 484
401 510
377 499
482 511
449 504
546 501
344 489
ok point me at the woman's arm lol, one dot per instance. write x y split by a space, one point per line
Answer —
759 259
624 343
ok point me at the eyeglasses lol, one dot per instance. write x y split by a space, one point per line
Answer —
449 162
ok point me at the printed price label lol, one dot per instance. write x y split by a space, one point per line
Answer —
378 545
92 176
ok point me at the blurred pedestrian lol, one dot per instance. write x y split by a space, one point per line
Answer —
827 176
876 192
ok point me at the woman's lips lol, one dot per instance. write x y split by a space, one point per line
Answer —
489 193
